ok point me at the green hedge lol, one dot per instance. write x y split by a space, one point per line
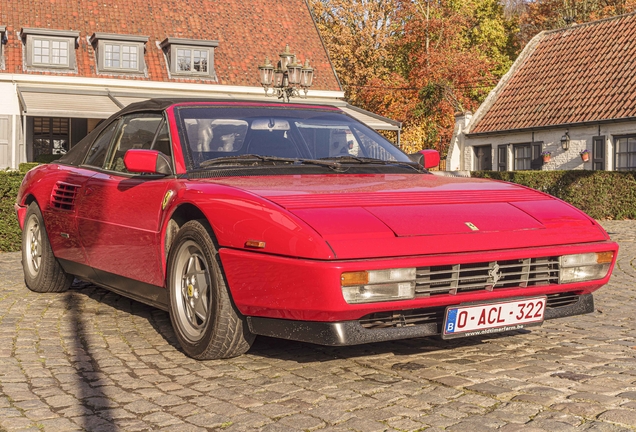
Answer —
47 158
26 166
600 194
9 229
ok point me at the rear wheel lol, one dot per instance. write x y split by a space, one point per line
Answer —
203 316
42 271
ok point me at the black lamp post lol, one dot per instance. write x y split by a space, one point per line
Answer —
288 78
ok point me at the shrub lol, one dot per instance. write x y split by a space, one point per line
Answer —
10 236
48 158
600 194
26 166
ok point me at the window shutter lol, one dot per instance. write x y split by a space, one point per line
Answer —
598 153
502 157
537 160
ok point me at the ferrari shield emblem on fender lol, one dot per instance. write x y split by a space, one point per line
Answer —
166 199
471 226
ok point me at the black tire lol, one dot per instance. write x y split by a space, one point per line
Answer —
42 272
205 320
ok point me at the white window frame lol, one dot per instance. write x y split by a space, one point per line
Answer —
171 47
31 36
628 154
50 52
121 46
192 71
101 40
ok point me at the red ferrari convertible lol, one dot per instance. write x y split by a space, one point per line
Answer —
298 222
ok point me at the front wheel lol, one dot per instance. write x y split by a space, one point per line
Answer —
42 271
205 320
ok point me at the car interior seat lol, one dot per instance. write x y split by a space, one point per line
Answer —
271 143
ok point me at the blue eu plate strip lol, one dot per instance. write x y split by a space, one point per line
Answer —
450 321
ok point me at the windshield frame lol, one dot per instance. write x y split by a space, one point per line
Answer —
288 114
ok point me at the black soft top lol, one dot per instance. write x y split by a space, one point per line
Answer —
75 156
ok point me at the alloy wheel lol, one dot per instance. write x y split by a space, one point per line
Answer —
33 254
192 296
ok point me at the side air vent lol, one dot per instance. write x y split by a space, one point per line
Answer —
63 196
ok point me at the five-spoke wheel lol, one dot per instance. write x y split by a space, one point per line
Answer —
33 244
205 320
193 276
42 271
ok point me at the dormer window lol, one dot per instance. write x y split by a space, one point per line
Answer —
50 49
190 57
119 53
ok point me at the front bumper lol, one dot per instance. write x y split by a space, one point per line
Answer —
21 213
354 333
297 289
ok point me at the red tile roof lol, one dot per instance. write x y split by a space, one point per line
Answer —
247 31
576 74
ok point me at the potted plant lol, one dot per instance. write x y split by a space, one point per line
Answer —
585 155
546 156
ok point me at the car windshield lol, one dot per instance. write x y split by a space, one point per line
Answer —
227 135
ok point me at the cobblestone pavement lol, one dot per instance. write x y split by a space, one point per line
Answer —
89 359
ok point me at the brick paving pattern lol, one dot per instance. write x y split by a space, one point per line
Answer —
92 360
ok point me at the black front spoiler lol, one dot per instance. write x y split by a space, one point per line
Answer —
353 333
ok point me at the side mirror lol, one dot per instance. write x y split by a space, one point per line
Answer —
426 158
147 161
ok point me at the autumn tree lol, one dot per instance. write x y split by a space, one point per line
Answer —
358 35
421 61
539 15
447 58
417 61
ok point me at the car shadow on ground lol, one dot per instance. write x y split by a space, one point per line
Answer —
281 349
87 351
95 412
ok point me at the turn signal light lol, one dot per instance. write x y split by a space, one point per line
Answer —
604 257
354 278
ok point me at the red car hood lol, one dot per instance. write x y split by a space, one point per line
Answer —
358 215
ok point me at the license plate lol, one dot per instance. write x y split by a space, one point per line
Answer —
473 320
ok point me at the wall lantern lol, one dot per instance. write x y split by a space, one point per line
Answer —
565 141
288 78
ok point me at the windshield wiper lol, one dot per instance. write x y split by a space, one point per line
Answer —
254 159
244 159
368 160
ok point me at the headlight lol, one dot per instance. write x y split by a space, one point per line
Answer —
584 267
378 285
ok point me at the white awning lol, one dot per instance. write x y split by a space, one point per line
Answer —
43 101
372 120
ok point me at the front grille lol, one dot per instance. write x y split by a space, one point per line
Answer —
414 317
453 279
63 196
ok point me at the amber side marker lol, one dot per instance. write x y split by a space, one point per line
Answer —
256 244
